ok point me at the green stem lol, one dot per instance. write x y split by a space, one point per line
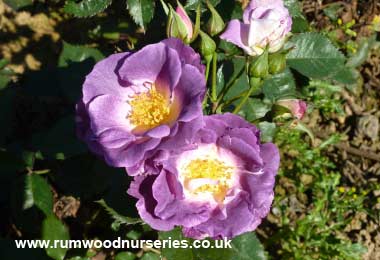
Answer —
254 86
230 85
207 69
208 63
232 100
214 96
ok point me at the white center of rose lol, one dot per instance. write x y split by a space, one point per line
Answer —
207 173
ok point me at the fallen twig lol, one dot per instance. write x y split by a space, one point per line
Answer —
361 153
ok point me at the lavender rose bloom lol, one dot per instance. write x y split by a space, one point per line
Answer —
133 101
265 23
220 184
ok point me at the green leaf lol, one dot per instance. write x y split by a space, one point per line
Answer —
248 247
235 76
17 4
244 247
300 25
150 256
79 258
165 7
125 256
119 219
86 8
314 56
38 193
175 253
75 62
303 128
294 8
280 86
215 253
255 109
362 53
268 130
219 79
332 11
192 5
53 229
347 75
142 11
5 74
76 53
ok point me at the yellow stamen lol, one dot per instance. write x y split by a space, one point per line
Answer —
210 169
149 109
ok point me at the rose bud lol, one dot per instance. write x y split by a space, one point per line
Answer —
266 24
259 67
277 62
296 107
207 46
215 25
179 24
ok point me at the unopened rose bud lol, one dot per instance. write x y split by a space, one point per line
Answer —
277 63
207 47
259 67
296 107
179 24
215 25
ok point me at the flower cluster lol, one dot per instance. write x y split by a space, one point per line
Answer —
143 111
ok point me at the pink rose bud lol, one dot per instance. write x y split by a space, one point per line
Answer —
186 20
266 24
296 107
179 24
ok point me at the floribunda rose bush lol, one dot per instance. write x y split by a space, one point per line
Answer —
180 120
146 111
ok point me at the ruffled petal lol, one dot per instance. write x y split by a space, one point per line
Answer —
187 54
144 65
107 112
103 79
237 33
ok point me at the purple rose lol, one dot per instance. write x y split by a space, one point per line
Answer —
265 24
219 184
133 101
